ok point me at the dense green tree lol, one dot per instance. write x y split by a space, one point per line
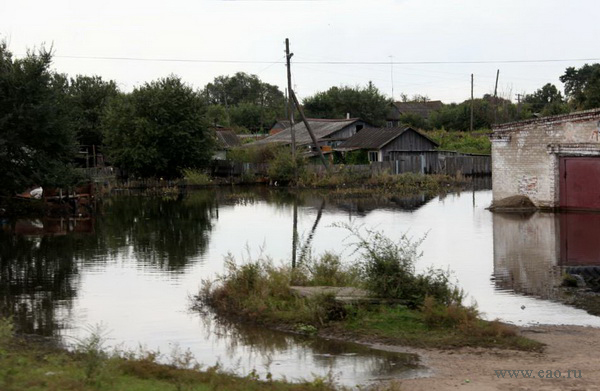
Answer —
546 101
582 86
217 115
458 116
87 99
366 103
36 143
158 130
248 115
250 102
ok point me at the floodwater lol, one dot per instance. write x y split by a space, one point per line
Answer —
135 265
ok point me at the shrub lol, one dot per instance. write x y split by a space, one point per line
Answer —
196 177
436 314
328 270
282 167
388 270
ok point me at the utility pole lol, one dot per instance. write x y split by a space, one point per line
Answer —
288 56
392 69
471 127
518 106
496 98
309 129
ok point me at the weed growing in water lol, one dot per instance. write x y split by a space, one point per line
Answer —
388 269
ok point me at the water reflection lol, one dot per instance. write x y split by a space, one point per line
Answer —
268 351
38 280
165 233
534 252
135 263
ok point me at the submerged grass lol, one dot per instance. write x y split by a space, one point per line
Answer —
30 365
423 310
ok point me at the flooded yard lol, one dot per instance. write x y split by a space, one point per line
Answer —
134 267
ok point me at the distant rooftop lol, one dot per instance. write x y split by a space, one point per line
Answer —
322 128
422 109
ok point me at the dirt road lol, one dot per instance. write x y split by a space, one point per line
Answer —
569 348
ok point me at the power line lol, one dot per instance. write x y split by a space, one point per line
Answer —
387 63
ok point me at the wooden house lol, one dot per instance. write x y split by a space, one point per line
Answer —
385 144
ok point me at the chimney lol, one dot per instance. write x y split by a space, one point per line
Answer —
347 115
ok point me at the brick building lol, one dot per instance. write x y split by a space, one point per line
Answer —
555 161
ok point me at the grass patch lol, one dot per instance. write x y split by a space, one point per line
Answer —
405 326
424 310
30 365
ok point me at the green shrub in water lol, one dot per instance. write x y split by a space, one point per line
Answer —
388 269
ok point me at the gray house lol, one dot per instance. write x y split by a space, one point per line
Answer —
386 144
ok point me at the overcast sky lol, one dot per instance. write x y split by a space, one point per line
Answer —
209 35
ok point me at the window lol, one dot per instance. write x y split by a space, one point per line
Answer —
373 156
358 128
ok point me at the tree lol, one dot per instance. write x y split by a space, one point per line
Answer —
36 143
547 101
158 130
250 102
582 86
366 103
87 99
217 115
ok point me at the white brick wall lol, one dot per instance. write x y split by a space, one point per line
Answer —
523 162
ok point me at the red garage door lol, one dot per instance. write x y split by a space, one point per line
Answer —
579 244
580 182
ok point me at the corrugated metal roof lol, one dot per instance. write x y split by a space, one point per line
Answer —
375 138
321 128
228 138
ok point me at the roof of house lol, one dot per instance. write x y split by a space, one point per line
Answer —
375 138
227 138
422 109
322 128
281 123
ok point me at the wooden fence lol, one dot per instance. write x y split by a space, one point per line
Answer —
441 162
429 162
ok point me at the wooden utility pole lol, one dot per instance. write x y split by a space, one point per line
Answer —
288 56
309 129
471 126
496 98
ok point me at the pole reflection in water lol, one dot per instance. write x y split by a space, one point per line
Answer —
135 267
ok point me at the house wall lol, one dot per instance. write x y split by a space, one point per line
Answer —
525 155
342 134
408 141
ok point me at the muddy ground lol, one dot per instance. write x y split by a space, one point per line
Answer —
568 348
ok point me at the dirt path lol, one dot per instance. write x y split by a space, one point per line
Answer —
569 347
